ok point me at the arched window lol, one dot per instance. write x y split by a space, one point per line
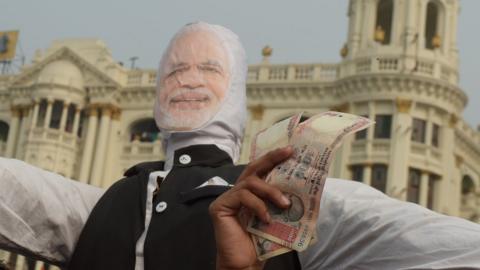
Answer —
144 130
468 186
383 24
70 117
432 38
57 110
3 131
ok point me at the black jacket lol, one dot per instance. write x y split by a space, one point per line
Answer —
180 237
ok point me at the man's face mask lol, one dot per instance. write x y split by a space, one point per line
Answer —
194 81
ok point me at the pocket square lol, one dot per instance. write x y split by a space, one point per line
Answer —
215 181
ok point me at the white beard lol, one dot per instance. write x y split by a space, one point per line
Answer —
182 119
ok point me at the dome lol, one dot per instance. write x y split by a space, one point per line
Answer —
62 72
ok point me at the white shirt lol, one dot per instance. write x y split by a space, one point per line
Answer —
359 227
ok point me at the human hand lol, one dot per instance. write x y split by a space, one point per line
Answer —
235 248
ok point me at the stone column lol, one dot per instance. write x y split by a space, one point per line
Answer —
370 131
36 107
340 163
63 119
423 200
113 149
422 9
25 112
12 131
453 21
397 180
256 116
100 151
20 262
368 22
411 33
76 121
367 174
40 266
88 144
48 114
446 185
356 26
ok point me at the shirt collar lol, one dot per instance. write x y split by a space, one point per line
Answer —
202 154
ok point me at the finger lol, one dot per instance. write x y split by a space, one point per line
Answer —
265 191
266 163
254 204
230 203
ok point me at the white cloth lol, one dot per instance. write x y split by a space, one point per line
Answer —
42 213
362 228
359 227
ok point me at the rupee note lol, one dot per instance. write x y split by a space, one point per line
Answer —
264 141
302 178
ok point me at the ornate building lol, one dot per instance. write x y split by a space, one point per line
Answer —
77 112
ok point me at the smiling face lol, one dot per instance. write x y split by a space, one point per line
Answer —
194 81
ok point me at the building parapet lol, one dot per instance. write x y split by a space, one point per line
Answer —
267 73
142 77
395 64
469 136
469 132
137 148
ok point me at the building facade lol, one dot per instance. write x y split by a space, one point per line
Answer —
79 113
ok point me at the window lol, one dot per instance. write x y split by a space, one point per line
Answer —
42 111
431 32
383 25
432 183
357 172
57 110
3 131
435 135
70 118
418 130
379 177
362 134
383 126
413 190
31 263
144 130
468 186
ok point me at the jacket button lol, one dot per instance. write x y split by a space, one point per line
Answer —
185 159
161 206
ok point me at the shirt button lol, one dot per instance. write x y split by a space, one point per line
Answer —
185 159
161 206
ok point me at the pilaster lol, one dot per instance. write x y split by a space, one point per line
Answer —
400 148
12 132
89 143
48 114
101 146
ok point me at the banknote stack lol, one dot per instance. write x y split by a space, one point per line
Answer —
301 177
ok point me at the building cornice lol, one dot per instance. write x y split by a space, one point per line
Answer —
432 92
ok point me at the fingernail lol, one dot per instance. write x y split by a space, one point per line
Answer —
285 200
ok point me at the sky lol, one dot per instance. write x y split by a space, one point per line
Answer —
308 31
